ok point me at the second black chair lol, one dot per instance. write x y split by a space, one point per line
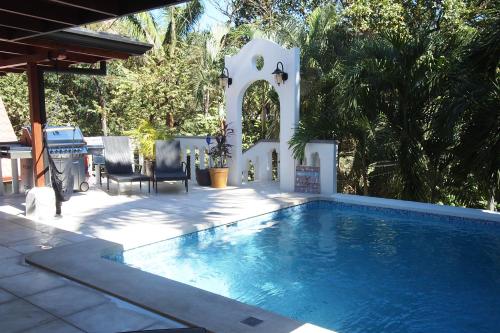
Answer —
168 165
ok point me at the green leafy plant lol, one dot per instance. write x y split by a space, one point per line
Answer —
145 135
221 150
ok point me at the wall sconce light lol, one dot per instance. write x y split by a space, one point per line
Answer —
224 79
279 74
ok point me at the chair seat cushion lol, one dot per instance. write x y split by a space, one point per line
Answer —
128 177
173 175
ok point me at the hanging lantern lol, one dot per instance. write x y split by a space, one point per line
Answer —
224 79
280 76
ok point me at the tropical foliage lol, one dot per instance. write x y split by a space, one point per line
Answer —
410 89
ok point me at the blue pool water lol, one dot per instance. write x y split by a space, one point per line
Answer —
345 267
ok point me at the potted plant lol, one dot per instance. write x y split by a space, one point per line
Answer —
203 175
220 153
145 136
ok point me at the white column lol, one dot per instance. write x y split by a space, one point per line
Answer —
1 179
15 175
233 103
192 162
335 162
289 117
244 171
202 158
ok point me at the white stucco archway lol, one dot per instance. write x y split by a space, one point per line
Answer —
243 70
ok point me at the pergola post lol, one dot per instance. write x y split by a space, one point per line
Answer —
38 117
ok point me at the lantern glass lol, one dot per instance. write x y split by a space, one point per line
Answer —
278 78
223 81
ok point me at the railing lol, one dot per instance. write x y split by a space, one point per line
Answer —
197 149
260 157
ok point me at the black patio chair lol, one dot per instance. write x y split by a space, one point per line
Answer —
168 165
119 164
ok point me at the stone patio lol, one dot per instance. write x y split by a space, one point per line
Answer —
136 218
34 300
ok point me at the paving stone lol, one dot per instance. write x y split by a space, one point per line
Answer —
43 242
66 300
31 283
6 225
13 266
110 317
165 325
71 236
19 315
56 326
5 296
7 253
18 234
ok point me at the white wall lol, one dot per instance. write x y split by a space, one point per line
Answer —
242 69
326 150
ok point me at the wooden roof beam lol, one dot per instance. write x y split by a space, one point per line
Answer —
47 11
12 70
7 33
32 58
16 48
116 7
30 24
45 43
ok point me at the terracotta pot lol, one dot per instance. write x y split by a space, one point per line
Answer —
218 177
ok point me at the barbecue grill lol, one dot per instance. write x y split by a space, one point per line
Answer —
66 143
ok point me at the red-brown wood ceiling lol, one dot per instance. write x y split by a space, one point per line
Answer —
27 28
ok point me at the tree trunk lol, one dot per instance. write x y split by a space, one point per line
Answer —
173 32
207 101
170 120
104 121
493 189
101 100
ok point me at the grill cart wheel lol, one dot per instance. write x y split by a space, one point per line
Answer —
84 187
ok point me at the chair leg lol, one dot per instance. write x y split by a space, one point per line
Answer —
149 185
107 182
186 184
156 186
118 184
140 184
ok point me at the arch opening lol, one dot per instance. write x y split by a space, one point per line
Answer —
260 113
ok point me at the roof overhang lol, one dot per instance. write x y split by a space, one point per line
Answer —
25 19
44 32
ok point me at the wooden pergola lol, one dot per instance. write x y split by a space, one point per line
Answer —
37 36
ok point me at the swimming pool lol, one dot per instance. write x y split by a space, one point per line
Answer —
349 268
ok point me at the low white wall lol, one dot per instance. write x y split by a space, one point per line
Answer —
326 151
261 156
418 207
189 146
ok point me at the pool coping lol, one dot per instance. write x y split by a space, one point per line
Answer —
84 263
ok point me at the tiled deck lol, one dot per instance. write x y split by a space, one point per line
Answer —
136 218
34 300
